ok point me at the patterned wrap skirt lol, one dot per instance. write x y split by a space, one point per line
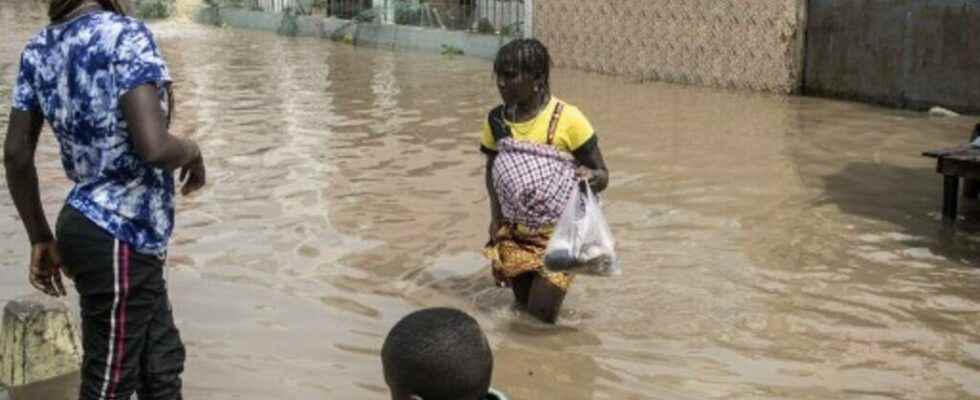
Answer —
533 184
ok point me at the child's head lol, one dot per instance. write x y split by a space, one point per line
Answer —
523 69
437 354
58 9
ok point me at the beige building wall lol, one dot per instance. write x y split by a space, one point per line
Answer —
739 44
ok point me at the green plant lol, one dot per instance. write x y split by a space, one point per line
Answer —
211 14
450 51
321 4
153 9
252 5
486 27
515 29
407 14
348 39
289 25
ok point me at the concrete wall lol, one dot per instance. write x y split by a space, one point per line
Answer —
152 9
905 53
740 44
377 35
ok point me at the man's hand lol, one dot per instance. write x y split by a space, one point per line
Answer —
45 274
193 175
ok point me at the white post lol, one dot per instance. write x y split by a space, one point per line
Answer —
528 18
385 10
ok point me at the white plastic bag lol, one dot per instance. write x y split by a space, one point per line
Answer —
582 242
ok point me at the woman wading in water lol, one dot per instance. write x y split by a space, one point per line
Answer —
538 149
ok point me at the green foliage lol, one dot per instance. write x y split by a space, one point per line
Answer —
514 30
407 13
450 51
153 9
252 5
289 25
348 38
211 14
486 27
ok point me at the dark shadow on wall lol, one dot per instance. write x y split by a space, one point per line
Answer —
902 53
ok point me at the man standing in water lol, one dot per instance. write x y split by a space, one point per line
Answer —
97 77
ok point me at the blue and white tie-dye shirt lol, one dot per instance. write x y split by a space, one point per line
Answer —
75 74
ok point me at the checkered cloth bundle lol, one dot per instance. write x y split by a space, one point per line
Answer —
533 182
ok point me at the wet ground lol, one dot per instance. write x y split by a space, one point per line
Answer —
773 247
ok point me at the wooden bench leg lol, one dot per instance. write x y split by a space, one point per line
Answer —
971 188
951 193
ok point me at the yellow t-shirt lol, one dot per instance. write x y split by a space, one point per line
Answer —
574 130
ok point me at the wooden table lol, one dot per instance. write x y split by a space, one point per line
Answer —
953 164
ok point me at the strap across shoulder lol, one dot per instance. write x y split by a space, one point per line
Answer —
553 126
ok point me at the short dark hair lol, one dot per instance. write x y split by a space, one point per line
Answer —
438 354
58 9
528 56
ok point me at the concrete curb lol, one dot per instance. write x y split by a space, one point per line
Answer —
397 37
39 340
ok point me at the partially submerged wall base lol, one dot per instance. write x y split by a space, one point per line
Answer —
358 33
904 53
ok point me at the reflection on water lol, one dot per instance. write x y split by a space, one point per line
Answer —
773 247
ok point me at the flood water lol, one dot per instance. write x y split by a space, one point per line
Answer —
773 247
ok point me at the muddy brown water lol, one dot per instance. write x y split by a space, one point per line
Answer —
773 247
